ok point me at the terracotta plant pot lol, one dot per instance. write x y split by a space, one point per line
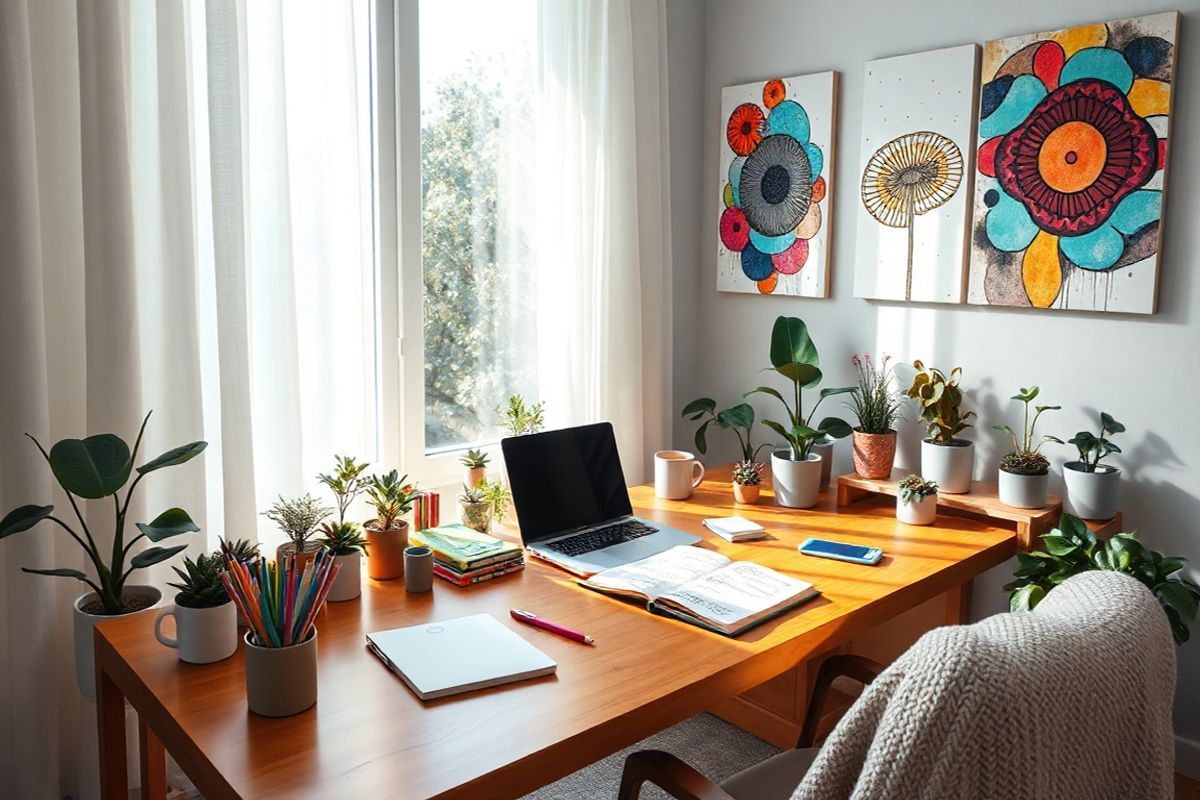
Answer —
85 665
874 454
385 551
302 558
475 476
746 495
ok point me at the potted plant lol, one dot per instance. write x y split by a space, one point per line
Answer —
521 418
346 482
739 419
391 496
1094 488
946 460
1071 548
345 542
498 495
796 470
747 482
877 406
1024 471
98 468
916 500
205 617
476 462
475 509
298 519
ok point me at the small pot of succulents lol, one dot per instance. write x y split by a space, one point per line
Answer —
1093 489
475 509
877 406
299 519
946 459
916 501
205 616
747 482
476 463
1024 471
345 542
391 496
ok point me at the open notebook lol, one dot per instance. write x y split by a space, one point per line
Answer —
705 588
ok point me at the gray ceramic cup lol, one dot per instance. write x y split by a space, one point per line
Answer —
281 681
418 569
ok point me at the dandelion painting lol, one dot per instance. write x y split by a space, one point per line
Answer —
915 206
1072 152
775 172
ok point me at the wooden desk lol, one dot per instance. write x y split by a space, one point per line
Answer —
368 736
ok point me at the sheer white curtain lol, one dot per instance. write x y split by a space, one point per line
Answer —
604 313
185 227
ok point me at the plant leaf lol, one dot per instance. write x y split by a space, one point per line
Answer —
177 455
804 374
832 390
1025 598
701 439
791 344
23 518
1109 424
775 426
836 427
95 467
172 522
153 555
740 416
1059 545
57 573
1177 596
699 406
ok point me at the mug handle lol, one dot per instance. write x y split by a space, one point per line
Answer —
158 634
698 479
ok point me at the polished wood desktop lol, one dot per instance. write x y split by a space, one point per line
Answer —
369 736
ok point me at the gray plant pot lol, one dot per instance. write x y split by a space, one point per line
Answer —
1023 491
281 681
1092 495
418 569
949 466
797 483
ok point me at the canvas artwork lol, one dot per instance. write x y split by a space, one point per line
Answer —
914 202
775 173
1072 150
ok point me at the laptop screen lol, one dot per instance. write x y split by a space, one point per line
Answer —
565 479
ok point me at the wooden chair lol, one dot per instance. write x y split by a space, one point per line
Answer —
774 779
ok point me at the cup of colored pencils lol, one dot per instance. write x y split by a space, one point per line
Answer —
280 600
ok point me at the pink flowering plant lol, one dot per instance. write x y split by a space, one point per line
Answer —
874 401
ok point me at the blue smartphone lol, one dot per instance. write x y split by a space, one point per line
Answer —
854 553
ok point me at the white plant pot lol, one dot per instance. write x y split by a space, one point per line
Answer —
1023 491
202 635
797 483
348 583
1092 495
917 512
825 451
85 662
949 466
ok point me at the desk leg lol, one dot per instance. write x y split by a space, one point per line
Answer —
153 763
958 604
110 723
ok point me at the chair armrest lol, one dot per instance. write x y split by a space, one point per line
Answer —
670 774
858 668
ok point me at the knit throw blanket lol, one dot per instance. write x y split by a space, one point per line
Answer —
1071 700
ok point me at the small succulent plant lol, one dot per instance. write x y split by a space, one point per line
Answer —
916 488
241 550
343 538
748 473
476 508
472 495
298 519
392 496
474 459
201 585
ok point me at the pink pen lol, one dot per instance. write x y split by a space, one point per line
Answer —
533 619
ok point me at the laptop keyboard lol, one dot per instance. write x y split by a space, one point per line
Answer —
600 538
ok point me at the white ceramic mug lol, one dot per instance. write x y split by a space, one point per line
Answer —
676 474
202 635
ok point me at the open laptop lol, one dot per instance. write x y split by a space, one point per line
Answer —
572 505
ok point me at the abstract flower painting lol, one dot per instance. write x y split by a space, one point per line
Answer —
1072 152
915 205
775 172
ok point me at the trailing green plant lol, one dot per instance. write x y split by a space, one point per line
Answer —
242 550
1072 548
201 585
914 487
497 494
96 468
346 482
1092 447
343 538
521 418
739 419
794 356
748 473
1025 457
876 404
941 402
391 496
474 459
298 518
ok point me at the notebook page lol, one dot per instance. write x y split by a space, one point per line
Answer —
736 594
659 573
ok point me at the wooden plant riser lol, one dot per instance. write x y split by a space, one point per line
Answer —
983 501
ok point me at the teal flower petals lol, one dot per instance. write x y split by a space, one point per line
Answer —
772 244
1137 211
1025 93
1008 225
789 117
1102 63
735 177
815 160
1097 250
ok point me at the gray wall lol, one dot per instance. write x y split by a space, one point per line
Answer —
1144 370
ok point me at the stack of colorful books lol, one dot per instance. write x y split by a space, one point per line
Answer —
465 556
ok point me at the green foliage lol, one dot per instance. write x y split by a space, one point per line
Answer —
497 495
474 459
941 401
1025 463
346 482
1025 457
201 585
242 550
472 495
794 356
874 401
1092 447
739 419
298 518
914 487
1072 548
748 473
521 418
391 496
96 468
343 538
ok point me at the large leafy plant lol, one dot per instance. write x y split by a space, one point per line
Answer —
739 419
794 356
96 468
1072 548
1094 447
1025 457
941 402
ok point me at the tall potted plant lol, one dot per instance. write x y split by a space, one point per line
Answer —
877 406
945 459
97 468
796 470
298 519
391 496
1024 471
1094 488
